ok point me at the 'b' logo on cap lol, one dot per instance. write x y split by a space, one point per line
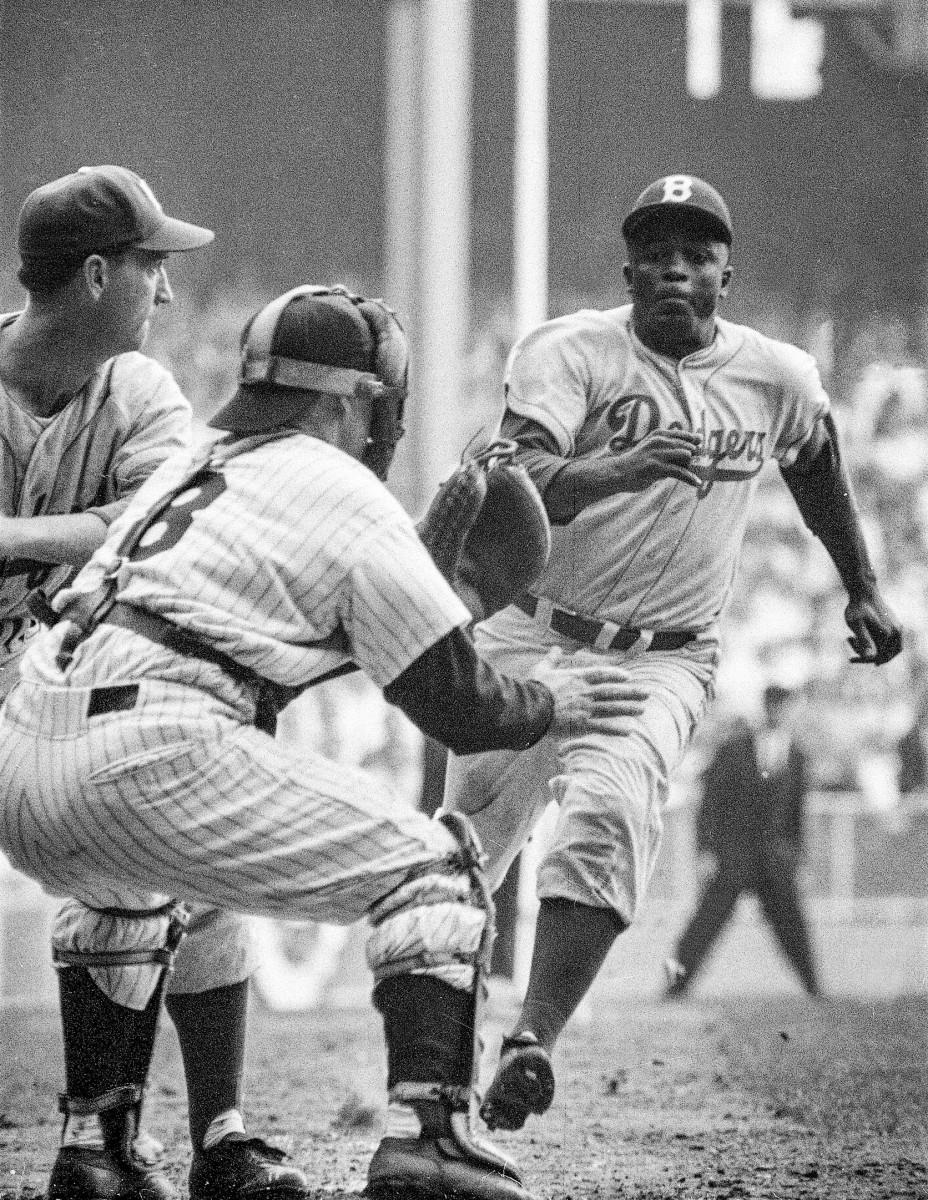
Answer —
678 188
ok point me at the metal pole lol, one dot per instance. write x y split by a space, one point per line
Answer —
427 228
402 216
444 309
530 217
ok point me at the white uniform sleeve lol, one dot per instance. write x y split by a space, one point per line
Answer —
804 403
161 425
398 603
548 378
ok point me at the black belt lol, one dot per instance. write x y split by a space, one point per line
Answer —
156 629
583 629
123 697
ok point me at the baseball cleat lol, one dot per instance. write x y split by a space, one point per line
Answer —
523 1083
245 1168
426 1168
94 1173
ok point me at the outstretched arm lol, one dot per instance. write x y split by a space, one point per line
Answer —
66 538
821 487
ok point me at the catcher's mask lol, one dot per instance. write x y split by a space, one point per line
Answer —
321 339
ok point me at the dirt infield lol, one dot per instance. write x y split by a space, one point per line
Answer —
778 1099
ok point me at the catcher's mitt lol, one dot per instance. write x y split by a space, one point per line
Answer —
488 531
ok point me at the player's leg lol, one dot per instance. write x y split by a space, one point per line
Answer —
503 793
430 953
713 909
779 896
107 1052
207 1002
586 899
237 822
593 877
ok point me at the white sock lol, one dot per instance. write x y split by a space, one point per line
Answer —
402 1122
82 1131
221 1126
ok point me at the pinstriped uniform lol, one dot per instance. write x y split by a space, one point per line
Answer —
663 558
292 559
92 456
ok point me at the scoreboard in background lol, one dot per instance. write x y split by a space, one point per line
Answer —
788 40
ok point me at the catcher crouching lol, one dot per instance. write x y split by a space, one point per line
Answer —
139 772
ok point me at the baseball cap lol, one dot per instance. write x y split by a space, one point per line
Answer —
326 330
672 193
100 208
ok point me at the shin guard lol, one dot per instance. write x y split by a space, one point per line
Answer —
431 1025
108 1047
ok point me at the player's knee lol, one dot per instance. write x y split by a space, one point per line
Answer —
597 865
439 920
128 953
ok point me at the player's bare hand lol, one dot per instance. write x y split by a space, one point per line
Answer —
877 634
662 454
589 697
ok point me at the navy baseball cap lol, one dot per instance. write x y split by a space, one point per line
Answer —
97 209
674 193
324 329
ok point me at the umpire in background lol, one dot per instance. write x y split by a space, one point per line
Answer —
750 829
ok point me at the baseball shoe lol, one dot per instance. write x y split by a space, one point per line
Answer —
93 1173
244 1168
523 1083
438 1169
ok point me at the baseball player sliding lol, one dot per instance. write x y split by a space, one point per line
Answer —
645 428
84 420
134 775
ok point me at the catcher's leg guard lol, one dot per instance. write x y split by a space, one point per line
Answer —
107 1051
433 1046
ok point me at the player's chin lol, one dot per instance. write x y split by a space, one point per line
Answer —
676 315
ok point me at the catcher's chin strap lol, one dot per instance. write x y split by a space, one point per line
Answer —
260 365
462 1102
131 1093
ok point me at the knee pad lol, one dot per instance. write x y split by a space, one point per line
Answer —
439 921
127 952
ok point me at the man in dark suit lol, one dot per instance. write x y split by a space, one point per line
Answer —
750 833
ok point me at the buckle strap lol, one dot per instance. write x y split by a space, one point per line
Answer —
179 916
89 1106
604 635
111 958
156 629
454 1095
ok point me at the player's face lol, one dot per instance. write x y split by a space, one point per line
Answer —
676 277
137 284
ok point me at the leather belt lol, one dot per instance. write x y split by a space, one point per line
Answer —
172 637
603 634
